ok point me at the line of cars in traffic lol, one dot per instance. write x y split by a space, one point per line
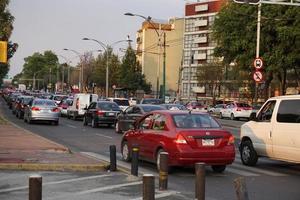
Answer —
187 136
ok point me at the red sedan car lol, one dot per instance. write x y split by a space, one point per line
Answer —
188 137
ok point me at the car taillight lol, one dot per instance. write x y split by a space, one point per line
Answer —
77 103
180 139
100 113
55 110
35 109
230 140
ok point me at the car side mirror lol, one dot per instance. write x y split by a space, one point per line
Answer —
253 117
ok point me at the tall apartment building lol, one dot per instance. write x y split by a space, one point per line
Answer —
150 53
198 43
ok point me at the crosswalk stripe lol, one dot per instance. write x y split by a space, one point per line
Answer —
256 170
240 172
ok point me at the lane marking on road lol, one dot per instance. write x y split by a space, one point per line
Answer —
240 172
56 182
71 126
104 136
256 170
84 192
161 195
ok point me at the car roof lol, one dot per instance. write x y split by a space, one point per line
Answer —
287 97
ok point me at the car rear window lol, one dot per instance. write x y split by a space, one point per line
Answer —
109 106
151 101
121 102
43 103
242 105
152 108
194 121
289 111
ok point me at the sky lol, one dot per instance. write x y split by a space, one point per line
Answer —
42 25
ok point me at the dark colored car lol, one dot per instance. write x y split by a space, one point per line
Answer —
22 102
101 112
11 99
151 101
188 138
126 118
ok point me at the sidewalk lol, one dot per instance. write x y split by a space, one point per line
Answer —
23 150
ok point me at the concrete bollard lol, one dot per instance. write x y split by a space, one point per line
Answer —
240 188
163 171
200 181
35 187
113 158
135 161
148 187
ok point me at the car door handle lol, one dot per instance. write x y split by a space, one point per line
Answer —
270 134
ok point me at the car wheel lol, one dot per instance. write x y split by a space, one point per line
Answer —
232 116
117 128
29 121
25 120
126 156
74 117
218 168
94 124
68 115
248 154
85 123
56 123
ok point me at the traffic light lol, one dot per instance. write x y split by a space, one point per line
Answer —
3 52
255 2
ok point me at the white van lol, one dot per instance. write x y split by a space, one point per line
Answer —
273 132
80 102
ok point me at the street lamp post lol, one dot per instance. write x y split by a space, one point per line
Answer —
149 20
80 81
105 48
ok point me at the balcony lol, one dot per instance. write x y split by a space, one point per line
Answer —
201 23
200 40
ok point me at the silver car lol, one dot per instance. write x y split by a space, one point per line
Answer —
42 110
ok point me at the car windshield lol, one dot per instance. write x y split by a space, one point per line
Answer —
43 103
109 106
195 121
121 102
152 108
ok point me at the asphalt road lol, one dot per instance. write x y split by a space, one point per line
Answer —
268 180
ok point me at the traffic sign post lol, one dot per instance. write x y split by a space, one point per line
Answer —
258 76
258 63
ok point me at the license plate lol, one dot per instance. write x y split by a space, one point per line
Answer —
208 142
111 114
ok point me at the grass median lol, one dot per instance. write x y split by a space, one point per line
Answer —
3 121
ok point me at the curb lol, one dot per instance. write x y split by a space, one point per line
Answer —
54 167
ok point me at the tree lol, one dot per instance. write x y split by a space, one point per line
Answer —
41 66
235 33
6 28
211 75
130 74
99 75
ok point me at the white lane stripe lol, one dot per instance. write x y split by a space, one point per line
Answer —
71 126
103 136
240 172
56 182
256 170
108 188
161 195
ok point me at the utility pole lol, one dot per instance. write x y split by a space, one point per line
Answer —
164 70
257 46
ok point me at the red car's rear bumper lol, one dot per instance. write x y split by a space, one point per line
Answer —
223 156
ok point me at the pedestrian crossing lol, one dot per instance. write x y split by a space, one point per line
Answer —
264 167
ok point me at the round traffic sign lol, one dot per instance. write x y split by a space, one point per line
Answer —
257 76
258 63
